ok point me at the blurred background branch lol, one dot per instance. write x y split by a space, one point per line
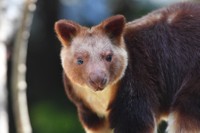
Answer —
15 18
19 96
9 15
3 90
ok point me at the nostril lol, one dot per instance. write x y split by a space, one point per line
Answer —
92 82
93 78
103 82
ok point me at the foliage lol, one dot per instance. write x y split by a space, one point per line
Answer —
50 118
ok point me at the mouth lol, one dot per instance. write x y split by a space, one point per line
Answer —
96 87
97 83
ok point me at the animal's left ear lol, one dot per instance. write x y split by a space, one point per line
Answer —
114 26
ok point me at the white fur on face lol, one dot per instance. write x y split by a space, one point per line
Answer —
94 46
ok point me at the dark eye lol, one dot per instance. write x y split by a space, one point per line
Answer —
109 58
79 61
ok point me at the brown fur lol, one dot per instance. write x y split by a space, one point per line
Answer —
124 78
98 43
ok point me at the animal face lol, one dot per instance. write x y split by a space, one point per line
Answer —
95 57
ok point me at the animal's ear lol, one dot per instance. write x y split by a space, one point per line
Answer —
66 30
114 26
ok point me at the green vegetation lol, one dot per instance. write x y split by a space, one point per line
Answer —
49 118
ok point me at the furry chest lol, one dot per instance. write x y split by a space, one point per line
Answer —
98 101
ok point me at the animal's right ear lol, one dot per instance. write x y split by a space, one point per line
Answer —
66 30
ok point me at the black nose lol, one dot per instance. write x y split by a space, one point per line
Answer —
98 80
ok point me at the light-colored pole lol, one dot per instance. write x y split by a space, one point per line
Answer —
19 97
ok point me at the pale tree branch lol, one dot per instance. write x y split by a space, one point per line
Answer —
3 91
9 16
19 69
15 15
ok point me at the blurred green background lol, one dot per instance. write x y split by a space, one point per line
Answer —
50 110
